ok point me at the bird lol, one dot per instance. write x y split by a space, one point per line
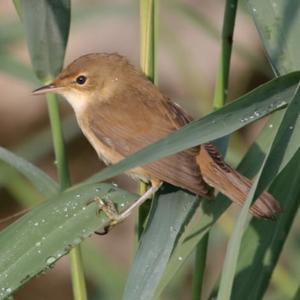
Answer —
120 111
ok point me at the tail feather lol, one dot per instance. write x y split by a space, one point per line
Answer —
229 182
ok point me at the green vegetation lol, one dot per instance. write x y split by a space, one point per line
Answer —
178 234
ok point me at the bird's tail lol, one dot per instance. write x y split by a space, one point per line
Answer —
229 182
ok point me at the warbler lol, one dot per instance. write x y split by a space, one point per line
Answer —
120 112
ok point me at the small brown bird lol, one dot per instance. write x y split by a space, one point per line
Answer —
120 111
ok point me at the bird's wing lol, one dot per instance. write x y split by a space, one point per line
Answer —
142 118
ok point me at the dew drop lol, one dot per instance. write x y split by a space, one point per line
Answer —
114 184
291 127
38 244
282 103
78 196
180 258
36 224
50 260
270 125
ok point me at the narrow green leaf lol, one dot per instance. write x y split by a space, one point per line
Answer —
278 23
47 186
169 213
274 159
31 245
248 108
47 27
263 241
210 211
233 247
285 144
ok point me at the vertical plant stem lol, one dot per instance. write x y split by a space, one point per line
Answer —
58 142
221 88
220 97
198 276
78 282
148 24
77 273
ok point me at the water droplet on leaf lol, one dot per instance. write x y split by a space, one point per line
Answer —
50 260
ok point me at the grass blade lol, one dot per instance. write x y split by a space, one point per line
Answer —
32 244
46 26
43 183
285 145
278 23
263 242
168 215
210 211
274 157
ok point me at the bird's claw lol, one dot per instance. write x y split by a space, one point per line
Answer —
109 208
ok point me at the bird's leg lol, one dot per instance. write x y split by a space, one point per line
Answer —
110 210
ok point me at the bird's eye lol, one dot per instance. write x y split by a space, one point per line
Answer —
81 79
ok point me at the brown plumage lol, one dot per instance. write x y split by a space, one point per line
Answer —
120 111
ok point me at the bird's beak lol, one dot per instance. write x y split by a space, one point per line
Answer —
49 88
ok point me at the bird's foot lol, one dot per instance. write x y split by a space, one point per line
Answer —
110 210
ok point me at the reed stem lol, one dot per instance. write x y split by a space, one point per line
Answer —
148 25
220 97
77 273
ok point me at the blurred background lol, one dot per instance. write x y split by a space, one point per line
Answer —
187 61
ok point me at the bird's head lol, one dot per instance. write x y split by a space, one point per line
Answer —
90 77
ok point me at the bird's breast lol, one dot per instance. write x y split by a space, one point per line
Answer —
106 151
